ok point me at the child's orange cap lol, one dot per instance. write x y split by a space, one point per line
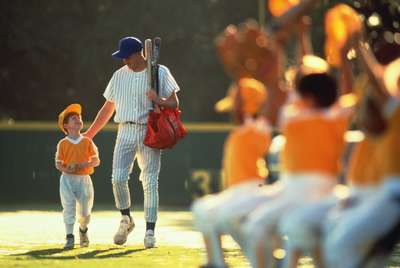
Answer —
73 108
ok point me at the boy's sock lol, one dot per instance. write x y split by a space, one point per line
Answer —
83 230
83 223
69 228
150 226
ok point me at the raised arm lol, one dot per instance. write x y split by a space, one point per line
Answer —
102 118
304 43
373 69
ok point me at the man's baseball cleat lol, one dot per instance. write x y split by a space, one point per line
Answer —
149 239
125 227
83 238
70 242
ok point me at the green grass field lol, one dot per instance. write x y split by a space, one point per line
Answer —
108 255
34 238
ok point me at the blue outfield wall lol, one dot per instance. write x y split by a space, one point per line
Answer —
28 175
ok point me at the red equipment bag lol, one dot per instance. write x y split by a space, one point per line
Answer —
164 129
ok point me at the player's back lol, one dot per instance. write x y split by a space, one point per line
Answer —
363 170
244 153
314 140
388 152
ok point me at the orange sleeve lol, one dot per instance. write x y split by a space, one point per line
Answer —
60 153
93 151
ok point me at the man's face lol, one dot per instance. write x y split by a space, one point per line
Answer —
73 123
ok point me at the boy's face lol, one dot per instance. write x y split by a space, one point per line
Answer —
73 123
132 60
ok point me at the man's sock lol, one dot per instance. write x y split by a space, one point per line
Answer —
126 212
150 226
70 236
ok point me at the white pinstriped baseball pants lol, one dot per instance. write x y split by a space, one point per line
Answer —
128 147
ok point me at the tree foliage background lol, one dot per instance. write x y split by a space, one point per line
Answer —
54 53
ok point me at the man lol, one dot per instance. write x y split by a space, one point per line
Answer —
128 95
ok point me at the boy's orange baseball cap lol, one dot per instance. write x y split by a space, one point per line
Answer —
311 64
73 108
253 94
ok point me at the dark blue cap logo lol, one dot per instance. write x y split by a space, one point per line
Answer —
128 46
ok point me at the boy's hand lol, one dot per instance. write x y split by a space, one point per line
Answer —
71 167
82 165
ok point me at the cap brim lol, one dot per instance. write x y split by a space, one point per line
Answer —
118 55
224 105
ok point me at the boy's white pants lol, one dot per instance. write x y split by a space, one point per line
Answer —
298 189
353 236
211 212
304 226
76 192
218 213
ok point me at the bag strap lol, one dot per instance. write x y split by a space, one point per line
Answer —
155 81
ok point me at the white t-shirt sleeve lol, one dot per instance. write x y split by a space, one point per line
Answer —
167 82
109 93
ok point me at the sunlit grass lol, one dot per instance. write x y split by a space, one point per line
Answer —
34 238
30 238
111 256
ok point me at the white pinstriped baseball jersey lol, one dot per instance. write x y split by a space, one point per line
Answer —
127 89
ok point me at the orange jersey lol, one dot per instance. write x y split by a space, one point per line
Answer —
79 151
388 153
314 139
244 150
363 169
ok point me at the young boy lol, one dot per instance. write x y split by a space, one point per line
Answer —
358 240
313 130
244 172
76 158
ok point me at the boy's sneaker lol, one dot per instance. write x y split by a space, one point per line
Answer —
83 238
149 239
70 242
125 227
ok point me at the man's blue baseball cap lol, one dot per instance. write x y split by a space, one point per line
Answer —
128 46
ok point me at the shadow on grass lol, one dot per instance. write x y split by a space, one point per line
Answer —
180 224
51 253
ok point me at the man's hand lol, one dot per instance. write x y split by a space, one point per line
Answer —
170 102
102 118
152 95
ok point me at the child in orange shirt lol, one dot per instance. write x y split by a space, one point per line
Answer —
76 158
243 169
313 129
366 235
